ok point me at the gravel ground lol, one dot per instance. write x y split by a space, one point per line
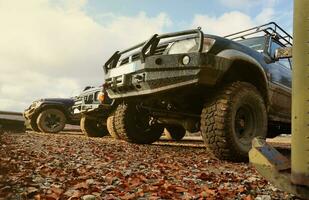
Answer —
72 166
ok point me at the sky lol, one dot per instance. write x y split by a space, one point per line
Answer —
54 48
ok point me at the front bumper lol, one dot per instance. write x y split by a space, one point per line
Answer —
164 72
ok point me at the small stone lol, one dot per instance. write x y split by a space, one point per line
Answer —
263 197
90 181
127 172
88 197
109 187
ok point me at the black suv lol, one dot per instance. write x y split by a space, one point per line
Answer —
232 88
51 114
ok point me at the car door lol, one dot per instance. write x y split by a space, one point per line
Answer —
280 83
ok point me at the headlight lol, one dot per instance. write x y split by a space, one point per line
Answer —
208 43
101 97
183 46
190 45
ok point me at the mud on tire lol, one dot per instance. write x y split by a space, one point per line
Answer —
133 125
92 128
232 119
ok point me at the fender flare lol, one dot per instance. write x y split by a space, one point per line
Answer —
235 55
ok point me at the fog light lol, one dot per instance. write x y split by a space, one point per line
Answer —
186 60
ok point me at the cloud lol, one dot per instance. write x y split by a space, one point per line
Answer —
224 24
266 15
231 22
54 49
247 4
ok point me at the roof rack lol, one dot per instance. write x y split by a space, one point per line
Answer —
270 28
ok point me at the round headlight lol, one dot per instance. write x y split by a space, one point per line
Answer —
101 97
185 60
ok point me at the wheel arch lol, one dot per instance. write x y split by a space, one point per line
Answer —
55 106
245 68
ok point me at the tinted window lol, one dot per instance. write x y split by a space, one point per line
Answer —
285 62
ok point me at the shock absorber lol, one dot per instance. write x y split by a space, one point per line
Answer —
300 95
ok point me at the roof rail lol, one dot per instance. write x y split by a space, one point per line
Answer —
270 28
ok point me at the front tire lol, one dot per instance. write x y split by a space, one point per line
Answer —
133 125
51 120
232 119
92 128
111 128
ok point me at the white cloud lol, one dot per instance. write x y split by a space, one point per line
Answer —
52 48
232 22
266 15
247 4
224 24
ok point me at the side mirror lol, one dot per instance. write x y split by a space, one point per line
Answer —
283 52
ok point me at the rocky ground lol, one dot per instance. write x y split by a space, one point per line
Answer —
72 166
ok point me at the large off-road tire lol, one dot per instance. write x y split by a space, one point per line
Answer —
133 125
175 132
51 120
111 128
92 128
232 119
33 125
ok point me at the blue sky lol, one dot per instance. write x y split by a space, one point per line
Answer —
182 12
54 48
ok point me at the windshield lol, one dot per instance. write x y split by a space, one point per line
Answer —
256 43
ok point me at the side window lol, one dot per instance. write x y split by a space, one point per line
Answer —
285 62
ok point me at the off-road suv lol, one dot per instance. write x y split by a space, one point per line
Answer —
232 88
50 115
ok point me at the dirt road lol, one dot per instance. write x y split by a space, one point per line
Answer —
72 166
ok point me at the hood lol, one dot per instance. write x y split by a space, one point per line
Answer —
65 101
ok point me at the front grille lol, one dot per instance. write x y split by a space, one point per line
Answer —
158 51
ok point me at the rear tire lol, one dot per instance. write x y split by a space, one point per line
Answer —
175 132
133 126
92 128
51 120
232 119
111 128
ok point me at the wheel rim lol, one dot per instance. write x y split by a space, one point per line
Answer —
244 124
142 121
52 121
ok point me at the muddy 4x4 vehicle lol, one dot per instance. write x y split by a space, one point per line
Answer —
232 88
94 107
51 114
